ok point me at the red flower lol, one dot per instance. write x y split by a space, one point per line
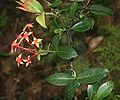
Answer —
25 36
20 35
14 46
27 26
28 61
18 43
19 60
36 41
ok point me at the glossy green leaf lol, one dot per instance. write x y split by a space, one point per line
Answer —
66 52
53 25
74 7
105 89
55 41
70 90
33 5
56 3
64 39
60 79
92 75
83 25
100 10
92 90
41 20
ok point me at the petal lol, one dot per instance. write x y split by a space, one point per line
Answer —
25 60
33 42
27 64
39 40
20 56
18 64
27 39
21 62
37 44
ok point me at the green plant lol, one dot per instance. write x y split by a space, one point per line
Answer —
107 55
66 20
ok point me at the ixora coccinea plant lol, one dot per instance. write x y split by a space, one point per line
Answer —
66 18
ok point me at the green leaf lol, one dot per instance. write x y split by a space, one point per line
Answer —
58 30
64 39
70 90
105 89
60 79
92 75
83 25
56 3
33 5
100 10
92 90
53 25
74 7
41 20
55 41
50 58
66 52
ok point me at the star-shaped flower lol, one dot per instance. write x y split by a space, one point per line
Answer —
27 26
26 36
36 41
19 60
28 60
14 46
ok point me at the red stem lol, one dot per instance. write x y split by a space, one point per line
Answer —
31 51
86 5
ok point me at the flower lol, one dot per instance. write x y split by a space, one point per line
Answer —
25 36
20 35
19 60
28 61
29 48
27 26
36 41
14 44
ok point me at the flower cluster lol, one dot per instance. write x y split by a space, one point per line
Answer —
33 44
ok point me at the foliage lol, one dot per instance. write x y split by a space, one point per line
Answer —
65 21
108 54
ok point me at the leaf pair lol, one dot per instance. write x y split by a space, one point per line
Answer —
88 76
98 93
83 25
88 23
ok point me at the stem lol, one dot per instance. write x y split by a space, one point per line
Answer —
48 3
29 50
51 13
29 43
86 6
33 55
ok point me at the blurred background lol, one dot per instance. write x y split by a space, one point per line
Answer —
28 83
